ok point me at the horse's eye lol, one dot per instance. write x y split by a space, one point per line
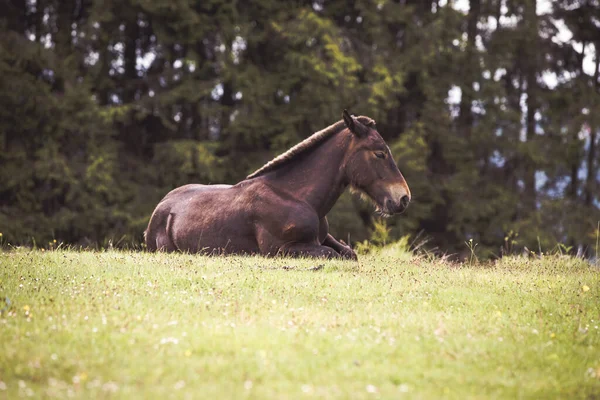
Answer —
380 154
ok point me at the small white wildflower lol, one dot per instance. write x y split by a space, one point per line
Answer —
591 372
169 340
371 389
110 387
403 388
179 385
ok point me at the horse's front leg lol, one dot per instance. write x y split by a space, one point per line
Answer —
329 241
295 249
344 250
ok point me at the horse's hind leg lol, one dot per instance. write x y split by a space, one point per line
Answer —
158 235
307 250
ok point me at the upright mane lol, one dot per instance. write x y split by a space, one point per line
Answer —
306 145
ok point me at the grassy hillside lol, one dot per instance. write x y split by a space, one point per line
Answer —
136 325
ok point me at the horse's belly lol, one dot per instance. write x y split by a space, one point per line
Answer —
210 236
213 220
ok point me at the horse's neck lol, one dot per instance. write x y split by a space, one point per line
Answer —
316 177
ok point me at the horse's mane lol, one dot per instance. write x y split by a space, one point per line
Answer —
306 145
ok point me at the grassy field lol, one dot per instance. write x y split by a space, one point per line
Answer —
136 325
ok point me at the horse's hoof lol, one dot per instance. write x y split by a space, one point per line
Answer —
349 254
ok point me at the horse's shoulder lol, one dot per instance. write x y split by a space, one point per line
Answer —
291 217
265 197
281 196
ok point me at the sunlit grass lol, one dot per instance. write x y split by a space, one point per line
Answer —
137 325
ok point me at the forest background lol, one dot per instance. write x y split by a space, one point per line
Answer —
491 108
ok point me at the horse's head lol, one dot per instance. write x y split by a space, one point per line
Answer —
371 169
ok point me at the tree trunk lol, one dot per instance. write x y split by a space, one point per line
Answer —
590 181
39 20
470 68
62 36
130 56
531 41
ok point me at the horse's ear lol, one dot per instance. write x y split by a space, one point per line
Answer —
355 127
348 120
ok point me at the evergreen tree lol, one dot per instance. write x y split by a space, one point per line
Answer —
492 111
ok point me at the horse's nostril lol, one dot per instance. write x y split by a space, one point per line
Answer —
404 201
389 204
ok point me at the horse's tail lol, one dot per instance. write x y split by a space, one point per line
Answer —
169 231
159 234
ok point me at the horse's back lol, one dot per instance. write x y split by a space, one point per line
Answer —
193 189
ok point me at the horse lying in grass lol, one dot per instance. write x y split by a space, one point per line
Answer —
281 208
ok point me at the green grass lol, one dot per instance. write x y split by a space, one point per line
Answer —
136 325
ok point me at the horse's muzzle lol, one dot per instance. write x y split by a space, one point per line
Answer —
398 207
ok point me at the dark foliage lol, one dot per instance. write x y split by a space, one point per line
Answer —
493 113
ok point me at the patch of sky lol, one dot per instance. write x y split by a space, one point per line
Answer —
540 180
453 100
217 91
237 48
497 159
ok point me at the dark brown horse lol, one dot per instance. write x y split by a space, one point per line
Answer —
281 208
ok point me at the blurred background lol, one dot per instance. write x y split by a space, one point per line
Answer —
491 108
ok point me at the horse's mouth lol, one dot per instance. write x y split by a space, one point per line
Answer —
382 213
386 211
380 209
